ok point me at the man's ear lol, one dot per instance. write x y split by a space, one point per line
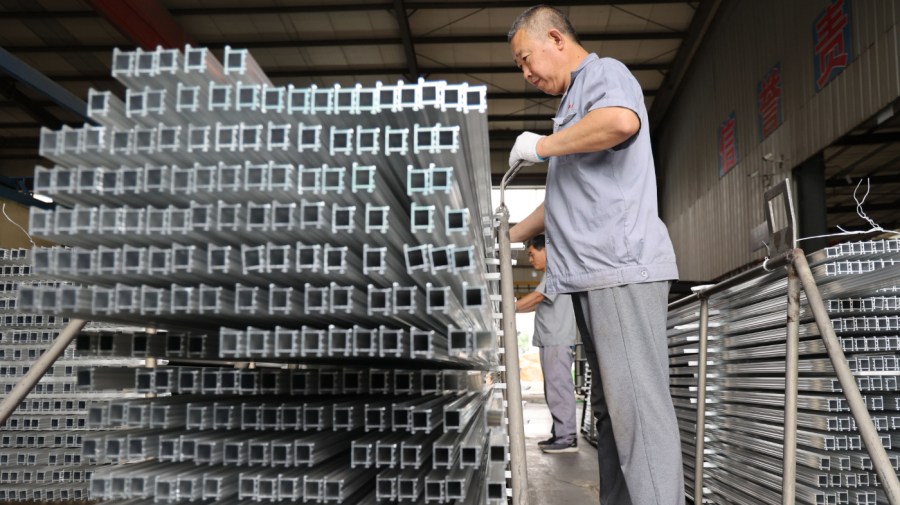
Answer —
556 38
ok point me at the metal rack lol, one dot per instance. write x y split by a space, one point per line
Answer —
772 408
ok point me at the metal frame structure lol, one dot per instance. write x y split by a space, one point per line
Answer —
800 276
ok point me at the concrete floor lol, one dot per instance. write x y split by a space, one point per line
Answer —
557 478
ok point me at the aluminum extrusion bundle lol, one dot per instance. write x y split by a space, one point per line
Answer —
41 440
317 271
745 381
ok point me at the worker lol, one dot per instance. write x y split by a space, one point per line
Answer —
554 336
608 248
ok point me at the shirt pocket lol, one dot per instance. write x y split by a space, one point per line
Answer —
564 121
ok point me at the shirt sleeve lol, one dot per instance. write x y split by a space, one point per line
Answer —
609 83
542 289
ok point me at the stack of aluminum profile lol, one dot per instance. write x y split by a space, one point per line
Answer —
860 283
324 265
40 444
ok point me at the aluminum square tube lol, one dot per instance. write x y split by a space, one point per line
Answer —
411 484
414 450
386 485
496 483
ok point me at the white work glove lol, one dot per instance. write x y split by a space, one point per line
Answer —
525 150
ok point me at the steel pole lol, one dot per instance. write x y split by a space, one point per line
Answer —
791 365
9 404
518 464
866 427
701 401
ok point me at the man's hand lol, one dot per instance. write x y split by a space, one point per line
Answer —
529 302
525 150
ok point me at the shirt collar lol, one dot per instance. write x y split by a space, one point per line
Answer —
590 58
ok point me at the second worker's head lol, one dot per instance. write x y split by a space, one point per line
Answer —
537 253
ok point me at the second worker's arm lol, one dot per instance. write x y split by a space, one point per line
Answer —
529 227
529 302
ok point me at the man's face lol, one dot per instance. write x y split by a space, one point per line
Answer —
537 258
537 56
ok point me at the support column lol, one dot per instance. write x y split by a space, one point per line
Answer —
809 177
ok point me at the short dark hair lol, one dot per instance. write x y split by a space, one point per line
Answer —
538 242
542 18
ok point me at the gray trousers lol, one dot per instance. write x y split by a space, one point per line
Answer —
559 390
638 446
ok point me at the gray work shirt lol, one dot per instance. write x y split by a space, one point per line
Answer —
601 214
554 319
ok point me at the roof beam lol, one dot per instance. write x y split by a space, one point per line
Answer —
869 207
331 7
512 134
586 37
11 190
11 125
364 41
23 73
146 23
868 139
875 180
34 109
412 62
19 143
420 5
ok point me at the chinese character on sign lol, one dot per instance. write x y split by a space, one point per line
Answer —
768 100
831 39
728 156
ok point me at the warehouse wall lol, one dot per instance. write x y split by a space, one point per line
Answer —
710 217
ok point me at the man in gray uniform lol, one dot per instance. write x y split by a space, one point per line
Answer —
554 335
608 248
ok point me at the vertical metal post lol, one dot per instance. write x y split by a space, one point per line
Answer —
518 463
791 365
864 423
39 368
700 443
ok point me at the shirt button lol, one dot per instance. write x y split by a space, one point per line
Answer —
643 273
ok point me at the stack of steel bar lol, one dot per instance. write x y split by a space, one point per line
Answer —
322 258
40 443
744 423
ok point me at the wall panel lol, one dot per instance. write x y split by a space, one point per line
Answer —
710 217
